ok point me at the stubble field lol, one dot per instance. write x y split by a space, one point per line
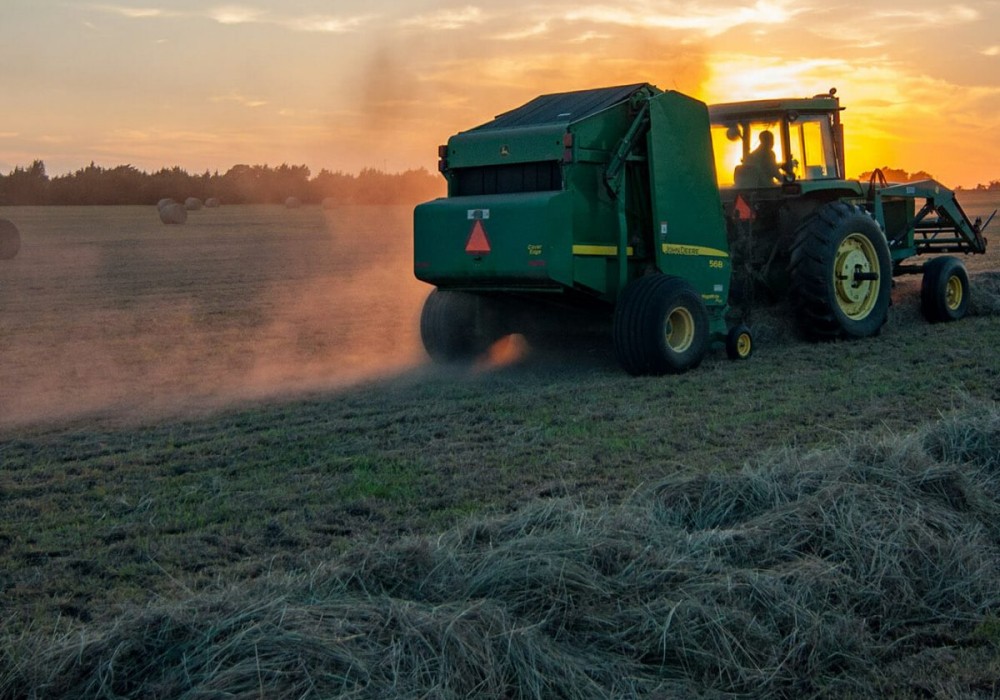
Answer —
197 421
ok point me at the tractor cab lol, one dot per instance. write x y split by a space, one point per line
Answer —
805 136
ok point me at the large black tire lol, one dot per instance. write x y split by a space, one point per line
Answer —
458 326
841 274
10 240
944 292
660 326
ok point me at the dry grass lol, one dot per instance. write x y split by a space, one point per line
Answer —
808 574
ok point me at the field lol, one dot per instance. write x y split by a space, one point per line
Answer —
226 466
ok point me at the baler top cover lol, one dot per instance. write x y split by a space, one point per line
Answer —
564 107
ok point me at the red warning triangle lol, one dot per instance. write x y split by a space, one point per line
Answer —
744 212
478 243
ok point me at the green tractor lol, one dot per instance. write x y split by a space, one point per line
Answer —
799 228
608 201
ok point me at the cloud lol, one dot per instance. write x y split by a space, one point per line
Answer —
909 19
446 19
242 14
711 21
991 51
135 12
538 29
236 14
239 99
327 24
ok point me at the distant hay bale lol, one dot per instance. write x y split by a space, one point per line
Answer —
329 203
192 204
10 240
164 202
173 213
293 203
212 203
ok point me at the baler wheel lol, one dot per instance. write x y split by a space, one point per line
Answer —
944 292
660 326
457 326
739 343
841 273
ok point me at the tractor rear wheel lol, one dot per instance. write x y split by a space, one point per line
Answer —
660 326
457 326
944 292
841 274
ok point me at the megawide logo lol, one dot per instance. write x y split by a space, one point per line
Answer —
478 243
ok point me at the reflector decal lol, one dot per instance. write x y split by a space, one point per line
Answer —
744 212
599 250
478 243
675 249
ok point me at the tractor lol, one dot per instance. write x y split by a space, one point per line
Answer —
648 206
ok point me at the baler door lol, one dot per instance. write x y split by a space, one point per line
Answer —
690 227
495 242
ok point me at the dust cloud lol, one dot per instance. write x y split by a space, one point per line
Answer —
107 313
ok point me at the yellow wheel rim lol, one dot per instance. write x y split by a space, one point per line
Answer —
953 293
855 262
679 330
744 345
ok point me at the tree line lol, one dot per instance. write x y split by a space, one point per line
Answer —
241 184
898 175
251 184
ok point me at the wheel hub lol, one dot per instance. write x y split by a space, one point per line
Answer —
953 293
679 329
856 276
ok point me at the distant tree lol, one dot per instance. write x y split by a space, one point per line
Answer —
898 175
25 185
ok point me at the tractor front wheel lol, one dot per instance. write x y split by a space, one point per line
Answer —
458 326
660 326
841 274
944 292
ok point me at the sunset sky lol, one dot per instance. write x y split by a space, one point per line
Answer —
348 84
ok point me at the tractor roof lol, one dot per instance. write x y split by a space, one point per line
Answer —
564 107
775 107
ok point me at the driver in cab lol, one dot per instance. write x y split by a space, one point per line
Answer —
760 166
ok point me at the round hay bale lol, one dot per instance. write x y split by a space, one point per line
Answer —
10 240
329 203
164 202
192 204
293 203
212 203
173 214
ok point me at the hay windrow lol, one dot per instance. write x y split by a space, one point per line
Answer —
801 575
985 293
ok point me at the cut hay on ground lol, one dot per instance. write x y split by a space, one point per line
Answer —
10 240
801 575
984 288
